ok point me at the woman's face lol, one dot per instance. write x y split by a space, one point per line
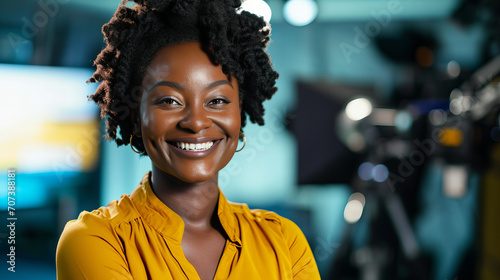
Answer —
189 113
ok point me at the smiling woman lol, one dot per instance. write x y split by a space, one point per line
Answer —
178 79
191 105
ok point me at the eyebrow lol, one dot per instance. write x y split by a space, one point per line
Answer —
166 83
218 83
180 87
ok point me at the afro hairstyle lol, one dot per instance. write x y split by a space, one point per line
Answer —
233 38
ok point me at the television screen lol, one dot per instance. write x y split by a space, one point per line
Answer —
49 131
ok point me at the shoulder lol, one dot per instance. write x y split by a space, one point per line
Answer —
90 245
117 211
89 223
90 228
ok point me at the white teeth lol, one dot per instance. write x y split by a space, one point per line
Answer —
194 147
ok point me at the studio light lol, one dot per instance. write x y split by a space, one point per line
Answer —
403 121
257 7
380 173
300 12
453 69
358 109
354 208
455 180
365 171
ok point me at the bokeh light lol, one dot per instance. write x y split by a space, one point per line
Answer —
358 109
258 7
300 12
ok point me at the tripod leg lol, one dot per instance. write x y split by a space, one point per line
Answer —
402 226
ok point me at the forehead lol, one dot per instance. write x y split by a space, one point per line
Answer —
180 61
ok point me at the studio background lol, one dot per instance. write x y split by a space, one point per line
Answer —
405 57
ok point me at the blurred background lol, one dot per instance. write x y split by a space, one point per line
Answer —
382 143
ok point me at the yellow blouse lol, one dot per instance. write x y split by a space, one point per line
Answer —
139 237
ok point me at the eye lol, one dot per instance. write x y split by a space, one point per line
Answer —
219 101
168 101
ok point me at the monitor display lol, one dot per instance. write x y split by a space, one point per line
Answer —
49 130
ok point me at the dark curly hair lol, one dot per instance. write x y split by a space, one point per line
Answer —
233 38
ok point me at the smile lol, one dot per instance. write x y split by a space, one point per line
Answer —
194 147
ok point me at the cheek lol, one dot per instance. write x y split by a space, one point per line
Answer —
230 121
155 123
148 122
152 121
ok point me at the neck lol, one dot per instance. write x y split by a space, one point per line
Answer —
195 202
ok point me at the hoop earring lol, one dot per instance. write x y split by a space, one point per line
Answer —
244 141
132 146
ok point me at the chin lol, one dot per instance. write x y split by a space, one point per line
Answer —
195 178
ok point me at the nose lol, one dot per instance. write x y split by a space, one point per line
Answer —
195 119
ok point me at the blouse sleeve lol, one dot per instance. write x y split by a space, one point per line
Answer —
304 265
88 249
